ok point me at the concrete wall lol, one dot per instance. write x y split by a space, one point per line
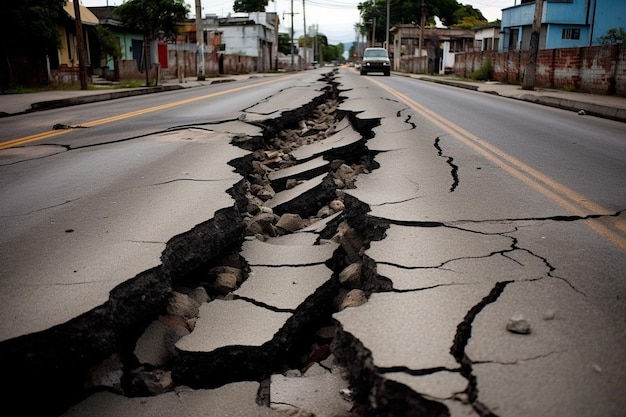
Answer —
596 69
185 60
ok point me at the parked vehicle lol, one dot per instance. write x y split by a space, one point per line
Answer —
375 60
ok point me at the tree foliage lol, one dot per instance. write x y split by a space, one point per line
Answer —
30 25
109 43
333 52
469 22
284 43
153 17
467 11
450 12
28 33
248 6
613 36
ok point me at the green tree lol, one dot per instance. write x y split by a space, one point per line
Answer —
154 18
284 43
469 22
333 52
466 11
450 12
108 42
613 36
29 31
248 6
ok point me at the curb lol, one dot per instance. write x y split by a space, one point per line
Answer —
578 106
450 83
73 101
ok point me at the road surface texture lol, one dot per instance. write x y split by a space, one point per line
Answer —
332 250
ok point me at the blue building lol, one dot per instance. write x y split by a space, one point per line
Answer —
565 23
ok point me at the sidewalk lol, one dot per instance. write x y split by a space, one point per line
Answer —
608 107
13 104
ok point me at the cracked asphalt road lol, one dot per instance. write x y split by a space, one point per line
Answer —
462 263
467 245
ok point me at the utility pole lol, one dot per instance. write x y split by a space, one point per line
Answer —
181 76
422 23
200 39
80 47
387 27
306 43
533 50
292 48
374 25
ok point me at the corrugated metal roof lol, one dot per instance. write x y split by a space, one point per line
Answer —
86 17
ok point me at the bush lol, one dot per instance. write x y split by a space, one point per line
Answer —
485 72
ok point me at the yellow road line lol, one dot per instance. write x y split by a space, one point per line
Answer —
52 133
565 197
31 138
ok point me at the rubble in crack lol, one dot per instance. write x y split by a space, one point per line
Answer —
263 312
296 250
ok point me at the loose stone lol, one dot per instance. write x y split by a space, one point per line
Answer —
199 295
183 305
290 222
351 275
290 183
225 282
354 298
549 315
518 324
337 205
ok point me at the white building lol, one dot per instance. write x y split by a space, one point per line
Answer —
250 34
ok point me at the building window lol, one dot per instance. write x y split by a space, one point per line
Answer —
513 39
571 34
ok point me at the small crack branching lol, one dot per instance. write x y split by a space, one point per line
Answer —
40 209
391 203
511 259
281 403
393 100
262 304
569 284
557 218
407 120
518 361
441 265
454 169
189 179
451 225
412 290
462 337
67 148
551 270
147 241
416 372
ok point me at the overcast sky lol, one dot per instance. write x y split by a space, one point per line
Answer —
335 18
